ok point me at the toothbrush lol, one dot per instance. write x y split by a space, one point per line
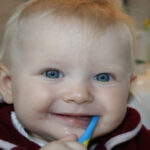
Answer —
85 138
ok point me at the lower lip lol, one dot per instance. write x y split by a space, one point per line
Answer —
81 122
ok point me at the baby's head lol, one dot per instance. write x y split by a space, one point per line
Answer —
63 62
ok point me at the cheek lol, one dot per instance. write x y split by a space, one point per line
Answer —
32 101
34 96
113 99
113 103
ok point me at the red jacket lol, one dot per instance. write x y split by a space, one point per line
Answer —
130 135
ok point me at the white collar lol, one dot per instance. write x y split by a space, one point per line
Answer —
123 137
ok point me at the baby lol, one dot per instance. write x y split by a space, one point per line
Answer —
61 63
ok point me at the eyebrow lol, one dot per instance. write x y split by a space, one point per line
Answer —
113 67
24 0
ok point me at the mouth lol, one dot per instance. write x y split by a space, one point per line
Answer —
75 120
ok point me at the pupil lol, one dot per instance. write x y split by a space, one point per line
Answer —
52 73
103 77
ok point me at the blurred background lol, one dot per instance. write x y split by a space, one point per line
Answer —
139 10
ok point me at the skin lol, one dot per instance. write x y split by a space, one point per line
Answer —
78 55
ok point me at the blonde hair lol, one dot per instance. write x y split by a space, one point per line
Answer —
100 13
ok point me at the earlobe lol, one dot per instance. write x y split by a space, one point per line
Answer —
132 80
5 84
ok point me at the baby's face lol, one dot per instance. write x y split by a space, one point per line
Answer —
65 75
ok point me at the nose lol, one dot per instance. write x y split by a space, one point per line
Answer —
78 94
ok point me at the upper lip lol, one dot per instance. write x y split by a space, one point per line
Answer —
74 114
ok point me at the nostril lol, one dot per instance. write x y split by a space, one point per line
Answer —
78 98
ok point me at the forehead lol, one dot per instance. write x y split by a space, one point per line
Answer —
59 38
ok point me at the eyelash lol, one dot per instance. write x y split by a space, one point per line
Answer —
53 74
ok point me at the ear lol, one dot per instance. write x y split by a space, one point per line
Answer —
5 84
133 79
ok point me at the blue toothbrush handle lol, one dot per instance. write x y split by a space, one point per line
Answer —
84 139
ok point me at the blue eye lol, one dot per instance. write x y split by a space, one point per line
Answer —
53 74
103 77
